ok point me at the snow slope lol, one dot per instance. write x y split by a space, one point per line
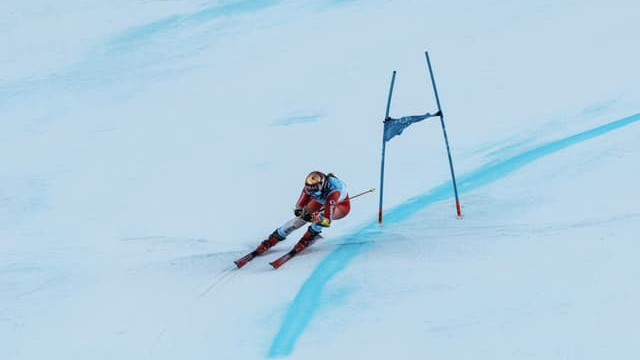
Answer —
145 145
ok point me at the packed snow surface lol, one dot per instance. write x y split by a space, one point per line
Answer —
145 145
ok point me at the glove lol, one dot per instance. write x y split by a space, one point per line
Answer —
324 222
308 217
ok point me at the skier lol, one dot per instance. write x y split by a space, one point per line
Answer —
324 198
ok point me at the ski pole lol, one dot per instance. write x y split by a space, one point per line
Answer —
352 197
362 193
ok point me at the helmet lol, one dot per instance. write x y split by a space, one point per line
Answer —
315 182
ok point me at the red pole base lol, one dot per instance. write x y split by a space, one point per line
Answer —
459 209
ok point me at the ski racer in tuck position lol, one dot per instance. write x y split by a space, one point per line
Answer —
324 198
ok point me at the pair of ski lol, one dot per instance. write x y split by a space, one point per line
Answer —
288 255
275 264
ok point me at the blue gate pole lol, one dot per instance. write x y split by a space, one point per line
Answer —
384 146
446 139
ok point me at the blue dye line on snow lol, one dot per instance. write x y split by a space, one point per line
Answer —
146 32
307 302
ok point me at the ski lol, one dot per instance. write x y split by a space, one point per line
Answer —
298 248
245 259
261 249
283 259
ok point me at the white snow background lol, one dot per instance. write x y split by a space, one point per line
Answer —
145 145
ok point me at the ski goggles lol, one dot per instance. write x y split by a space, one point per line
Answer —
315 189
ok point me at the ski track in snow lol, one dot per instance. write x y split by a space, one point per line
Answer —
307 301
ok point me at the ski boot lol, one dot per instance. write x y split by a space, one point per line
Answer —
307 239
273 239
